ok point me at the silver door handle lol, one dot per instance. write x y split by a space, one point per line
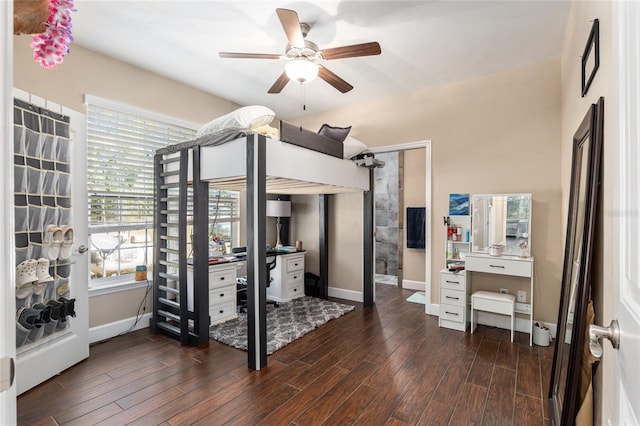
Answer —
596 332
83 249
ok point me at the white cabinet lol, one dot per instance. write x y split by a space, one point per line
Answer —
287 278
454 300
457 244
222 291
454 291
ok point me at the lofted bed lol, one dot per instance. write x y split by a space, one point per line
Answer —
301 162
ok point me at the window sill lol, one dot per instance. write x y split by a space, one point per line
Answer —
117 287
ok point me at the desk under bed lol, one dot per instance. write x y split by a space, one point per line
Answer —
259 166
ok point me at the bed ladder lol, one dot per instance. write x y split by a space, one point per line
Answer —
178 216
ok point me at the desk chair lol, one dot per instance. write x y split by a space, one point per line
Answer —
241 285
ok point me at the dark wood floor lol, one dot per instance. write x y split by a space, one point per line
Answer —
387 365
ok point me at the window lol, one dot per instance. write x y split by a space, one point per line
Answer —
224 219
120 158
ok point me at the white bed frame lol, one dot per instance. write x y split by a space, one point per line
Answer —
290 169
260 166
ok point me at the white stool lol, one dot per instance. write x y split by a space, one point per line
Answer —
497 303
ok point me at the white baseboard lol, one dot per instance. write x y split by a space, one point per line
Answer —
413 285
341 293
435 309
107 331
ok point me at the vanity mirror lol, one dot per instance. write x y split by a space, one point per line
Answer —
501 224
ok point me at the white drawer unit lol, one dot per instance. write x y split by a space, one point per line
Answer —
452 317
453 281
454 300
287 278
222 291
222 275
499 265
222 312
452 297
221 295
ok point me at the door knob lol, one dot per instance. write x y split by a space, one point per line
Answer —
596 332
82 249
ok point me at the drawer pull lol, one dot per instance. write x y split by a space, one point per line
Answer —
451 297
222 311
453 282
221 294
451 313
295 289
295 277
295 264
496 266
221 278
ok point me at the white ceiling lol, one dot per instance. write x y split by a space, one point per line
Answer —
424 43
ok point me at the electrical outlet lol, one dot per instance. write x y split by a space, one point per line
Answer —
504 291
522 296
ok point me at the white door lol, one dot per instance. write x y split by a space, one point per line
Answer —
64 345
621 387
7 293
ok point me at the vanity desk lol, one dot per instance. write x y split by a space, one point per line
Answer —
505 265
500 245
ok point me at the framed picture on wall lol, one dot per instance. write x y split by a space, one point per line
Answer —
458 204
591 57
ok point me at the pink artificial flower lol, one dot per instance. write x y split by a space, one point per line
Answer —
50 46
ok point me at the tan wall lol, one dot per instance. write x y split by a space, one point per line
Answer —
414 196
574 108
86 72
306 228
495 134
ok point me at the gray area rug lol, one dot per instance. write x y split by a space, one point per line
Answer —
286 323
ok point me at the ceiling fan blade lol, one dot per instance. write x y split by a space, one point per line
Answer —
352 51
248 55
333 79
279 84
291 24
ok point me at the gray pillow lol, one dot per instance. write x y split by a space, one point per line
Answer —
336 133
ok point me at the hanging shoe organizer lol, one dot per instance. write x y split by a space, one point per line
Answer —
43 233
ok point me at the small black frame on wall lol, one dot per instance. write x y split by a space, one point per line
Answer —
591 57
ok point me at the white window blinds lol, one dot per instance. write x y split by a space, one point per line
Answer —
121 149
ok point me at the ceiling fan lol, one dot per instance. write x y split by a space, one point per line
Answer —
303 55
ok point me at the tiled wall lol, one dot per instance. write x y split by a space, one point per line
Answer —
388 199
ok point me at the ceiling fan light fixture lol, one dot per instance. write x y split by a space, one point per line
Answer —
301 70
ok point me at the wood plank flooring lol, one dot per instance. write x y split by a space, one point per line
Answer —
387 365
